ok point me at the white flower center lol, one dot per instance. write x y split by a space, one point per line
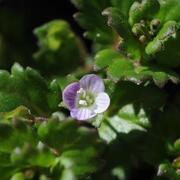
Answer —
82 102
85 99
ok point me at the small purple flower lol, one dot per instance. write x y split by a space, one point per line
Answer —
86 98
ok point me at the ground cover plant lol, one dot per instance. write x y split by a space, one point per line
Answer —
109 113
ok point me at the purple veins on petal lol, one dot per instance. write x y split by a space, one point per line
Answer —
92 83
102 102
86 98
70 93
82 114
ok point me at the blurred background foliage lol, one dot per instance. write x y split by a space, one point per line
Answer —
133 46
17 32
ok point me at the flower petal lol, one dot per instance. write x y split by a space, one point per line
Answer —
82 114
92 83
102 102
69 95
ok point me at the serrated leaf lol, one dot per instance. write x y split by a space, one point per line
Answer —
159 75
53 129
27 87
123 123
97 31
120 67
77 147
128 45
64 141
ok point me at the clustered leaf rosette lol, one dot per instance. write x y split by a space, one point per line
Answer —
86 98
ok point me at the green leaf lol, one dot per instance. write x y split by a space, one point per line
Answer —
118 21
67 132
177 145
123 5
53 129
110 128
128 44
65 145
16 129
20 112
123 123
106 57
129 93
68 174
27 87
40 156
165 45
80 163
176 162
172 6
128 112
18 176
15 134
4 159
97 31
167 32
144 10
159 75
58 47
77 147
120 68
166 169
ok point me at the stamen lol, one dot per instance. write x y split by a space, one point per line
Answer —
85 98
83 102
81 90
